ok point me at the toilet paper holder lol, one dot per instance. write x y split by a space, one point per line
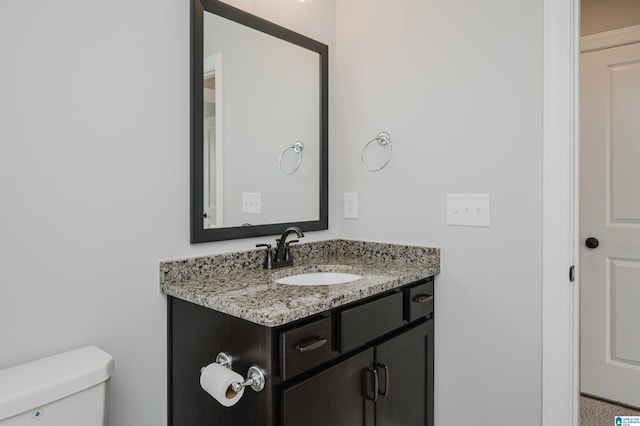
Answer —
256 377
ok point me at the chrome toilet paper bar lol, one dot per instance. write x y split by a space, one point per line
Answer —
255 380
256 377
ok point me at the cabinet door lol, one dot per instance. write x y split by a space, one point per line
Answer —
335 397
405 369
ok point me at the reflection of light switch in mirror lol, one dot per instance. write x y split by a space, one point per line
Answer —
252 202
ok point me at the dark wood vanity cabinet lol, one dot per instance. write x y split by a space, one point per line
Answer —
388 384
368 363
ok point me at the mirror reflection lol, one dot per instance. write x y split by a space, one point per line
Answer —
260 98
262 138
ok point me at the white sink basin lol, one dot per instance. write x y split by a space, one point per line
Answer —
319 278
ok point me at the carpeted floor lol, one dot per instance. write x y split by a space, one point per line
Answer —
595 412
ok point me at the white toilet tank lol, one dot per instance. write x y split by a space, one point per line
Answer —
69 389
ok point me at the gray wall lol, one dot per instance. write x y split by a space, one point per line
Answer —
463 105
95 181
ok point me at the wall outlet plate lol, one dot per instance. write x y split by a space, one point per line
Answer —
469 210
350 205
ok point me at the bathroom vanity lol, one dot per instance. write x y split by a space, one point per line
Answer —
355 353
358 353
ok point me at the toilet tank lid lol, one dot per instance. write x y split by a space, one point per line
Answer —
34 384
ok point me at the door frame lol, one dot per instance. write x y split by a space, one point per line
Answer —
560 221
560 226
213 67
608 39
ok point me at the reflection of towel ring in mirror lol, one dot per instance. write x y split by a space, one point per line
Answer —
296 147
383 139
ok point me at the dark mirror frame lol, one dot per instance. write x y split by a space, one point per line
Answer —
199 233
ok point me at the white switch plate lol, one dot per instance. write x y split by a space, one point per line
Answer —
252 202
350 205
469 209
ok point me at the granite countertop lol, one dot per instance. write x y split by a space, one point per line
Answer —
236 283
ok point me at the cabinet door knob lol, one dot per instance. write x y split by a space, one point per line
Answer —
312 344
422 298
592 242
386 379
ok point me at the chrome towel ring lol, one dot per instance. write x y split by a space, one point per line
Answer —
383 139
297 148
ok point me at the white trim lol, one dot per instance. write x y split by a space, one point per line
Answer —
615 38
560 325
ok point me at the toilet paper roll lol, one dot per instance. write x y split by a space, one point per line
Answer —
217 380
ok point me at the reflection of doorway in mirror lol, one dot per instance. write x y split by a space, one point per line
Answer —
213 142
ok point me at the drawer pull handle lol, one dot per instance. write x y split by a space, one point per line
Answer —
386 379
314 344
423 298
376 385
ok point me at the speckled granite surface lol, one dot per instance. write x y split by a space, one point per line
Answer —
236 283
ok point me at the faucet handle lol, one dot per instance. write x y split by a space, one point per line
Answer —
287 251
268 260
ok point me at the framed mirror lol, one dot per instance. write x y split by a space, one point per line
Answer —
259 130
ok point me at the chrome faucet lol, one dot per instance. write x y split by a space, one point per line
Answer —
282 256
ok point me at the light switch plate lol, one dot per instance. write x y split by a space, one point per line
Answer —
350 205
469 210
252 202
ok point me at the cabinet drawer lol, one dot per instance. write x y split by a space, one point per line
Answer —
419 301
363 323
305 347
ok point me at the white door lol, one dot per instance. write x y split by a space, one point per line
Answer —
610 213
